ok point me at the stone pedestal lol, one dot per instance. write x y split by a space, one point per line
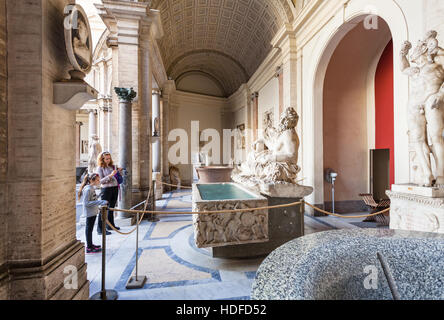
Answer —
416 208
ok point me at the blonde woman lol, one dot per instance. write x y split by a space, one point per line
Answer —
110 188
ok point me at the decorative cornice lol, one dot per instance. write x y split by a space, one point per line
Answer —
427 201
105 109
136 15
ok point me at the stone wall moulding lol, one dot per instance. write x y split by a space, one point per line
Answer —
116 14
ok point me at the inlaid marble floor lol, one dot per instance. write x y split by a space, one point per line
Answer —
176 269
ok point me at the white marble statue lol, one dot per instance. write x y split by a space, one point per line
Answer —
275 156
426 107
94 150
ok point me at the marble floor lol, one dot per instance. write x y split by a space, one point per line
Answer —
175 268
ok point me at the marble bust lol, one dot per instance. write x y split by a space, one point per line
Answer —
426 108
274 157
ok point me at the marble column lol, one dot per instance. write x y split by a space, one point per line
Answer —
156 130
156 147
133 29
167 92
109 104
92 124
255 107
126 97
280 76
102 76
104 124
290 72
78 142
144 166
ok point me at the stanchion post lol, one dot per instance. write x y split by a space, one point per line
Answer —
104 294
136 282
302 211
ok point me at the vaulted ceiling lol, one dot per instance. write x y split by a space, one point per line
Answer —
225 39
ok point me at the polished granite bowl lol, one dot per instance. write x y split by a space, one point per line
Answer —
343 265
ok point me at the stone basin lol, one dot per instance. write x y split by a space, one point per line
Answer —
330 266
214 174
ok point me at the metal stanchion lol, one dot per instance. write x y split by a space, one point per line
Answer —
302 212
104 294
389 277
136 282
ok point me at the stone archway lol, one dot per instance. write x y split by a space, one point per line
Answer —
320 49
348 112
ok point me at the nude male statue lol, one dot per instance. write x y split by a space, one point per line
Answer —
426 106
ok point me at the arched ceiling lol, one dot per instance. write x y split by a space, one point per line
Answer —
227 39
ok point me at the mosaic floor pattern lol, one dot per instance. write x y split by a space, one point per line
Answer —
175 268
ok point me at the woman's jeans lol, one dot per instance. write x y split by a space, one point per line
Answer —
109 194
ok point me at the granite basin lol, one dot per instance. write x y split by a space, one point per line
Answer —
336 265
214 174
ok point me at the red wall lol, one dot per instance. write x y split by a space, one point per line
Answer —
385 133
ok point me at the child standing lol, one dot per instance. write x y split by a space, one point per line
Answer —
90 208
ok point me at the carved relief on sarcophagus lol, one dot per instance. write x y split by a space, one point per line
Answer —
223 229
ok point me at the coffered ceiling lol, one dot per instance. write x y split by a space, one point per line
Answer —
226 39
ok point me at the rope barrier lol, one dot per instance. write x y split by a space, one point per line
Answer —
210 212
250 210
138 222
144 211
346 217
120 232
175 185
190 187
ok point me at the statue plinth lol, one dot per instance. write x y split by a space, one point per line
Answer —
416 208
285 190
430 192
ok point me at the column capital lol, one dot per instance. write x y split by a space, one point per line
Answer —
125 94
254 95
279 71
79 123
92 111
157 92
104 109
